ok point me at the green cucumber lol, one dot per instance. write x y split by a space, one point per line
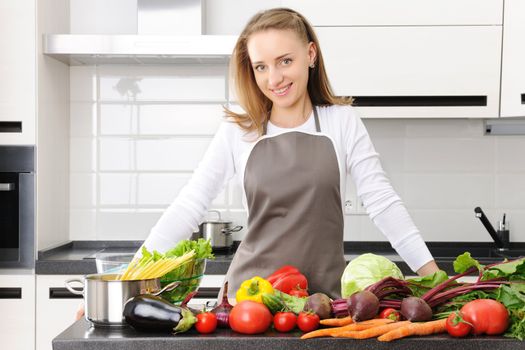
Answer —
279 301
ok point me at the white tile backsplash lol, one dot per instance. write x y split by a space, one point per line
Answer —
82 193
443 155
181 119
82 154
510 154
174 154
83 120
162 83
116 154
118 119
138 132
450 191
117 189
511 191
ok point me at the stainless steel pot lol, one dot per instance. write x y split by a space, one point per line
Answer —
105 296
219 232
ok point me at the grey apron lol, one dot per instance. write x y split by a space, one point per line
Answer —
295 216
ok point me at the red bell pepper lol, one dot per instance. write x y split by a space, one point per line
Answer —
282 271
288 278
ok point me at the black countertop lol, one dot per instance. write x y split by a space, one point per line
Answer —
78 257
81 336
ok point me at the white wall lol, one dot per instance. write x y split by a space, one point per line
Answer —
137 132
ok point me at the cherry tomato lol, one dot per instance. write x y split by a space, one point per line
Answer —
250 317
284 321
390 313
298 292
487 316
307 321
457 326
206 323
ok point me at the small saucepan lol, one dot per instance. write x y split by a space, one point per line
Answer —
219 232
105 296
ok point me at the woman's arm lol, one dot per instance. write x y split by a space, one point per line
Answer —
382 203
187 210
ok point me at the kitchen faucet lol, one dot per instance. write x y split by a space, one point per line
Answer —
501 237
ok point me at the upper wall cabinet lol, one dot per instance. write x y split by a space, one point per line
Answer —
399 12
17 72
428 71
513 68
411 58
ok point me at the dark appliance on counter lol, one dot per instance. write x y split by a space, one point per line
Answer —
17 206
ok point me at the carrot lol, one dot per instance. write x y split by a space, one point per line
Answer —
338 322
358 326
371 332
420 328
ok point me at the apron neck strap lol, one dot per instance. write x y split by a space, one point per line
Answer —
316 118
317 125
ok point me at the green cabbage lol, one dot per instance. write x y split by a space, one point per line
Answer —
365 270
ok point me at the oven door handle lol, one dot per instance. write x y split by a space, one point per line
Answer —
7 186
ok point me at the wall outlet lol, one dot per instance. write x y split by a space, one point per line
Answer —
354 206
349 208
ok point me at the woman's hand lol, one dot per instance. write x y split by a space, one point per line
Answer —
80 312
428 268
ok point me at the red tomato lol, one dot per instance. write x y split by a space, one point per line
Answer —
390 313
206 323
487 316
457 326
250 317
284 321
307 321
298 292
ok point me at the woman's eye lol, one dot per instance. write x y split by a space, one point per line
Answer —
259 68
287 61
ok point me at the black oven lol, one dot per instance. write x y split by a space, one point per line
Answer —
17 206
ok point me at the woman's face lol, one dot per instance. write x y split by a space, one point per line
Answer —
280 62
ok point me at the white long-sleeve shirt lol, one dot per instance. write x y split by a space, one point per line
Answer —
228 153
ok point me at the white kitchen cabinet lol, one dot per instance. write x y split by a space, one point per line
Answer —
17 304
399 12
513 67
424 72
55 308
17 72
209 283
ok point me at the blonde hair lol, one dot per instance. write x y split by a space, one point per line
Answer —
256 105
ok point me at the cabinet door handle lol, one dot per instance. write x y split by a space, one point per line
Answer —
207 292
523 99
62 293
10 293
6 187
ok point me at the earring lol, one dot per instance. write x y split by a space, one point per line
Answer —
312 65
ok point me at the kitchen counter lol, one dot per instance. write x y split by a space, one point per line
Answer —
81 336
78 257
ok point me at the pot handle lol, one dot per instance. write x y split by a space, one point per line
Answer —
71 289
216 212
168 288
229 231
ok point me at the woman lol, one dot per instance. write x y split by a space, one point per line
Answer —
292 148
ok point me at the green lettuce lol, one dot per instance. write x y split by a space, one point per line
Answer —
365 270
421 285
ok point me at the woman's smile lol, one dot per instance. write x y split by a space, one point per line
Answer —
282 91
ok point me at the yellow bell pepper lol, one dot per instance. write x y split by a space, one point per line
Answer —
253 289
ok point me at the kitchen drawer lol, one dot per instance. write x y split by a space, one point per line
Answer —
416 72
55 308
399 12
17 304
